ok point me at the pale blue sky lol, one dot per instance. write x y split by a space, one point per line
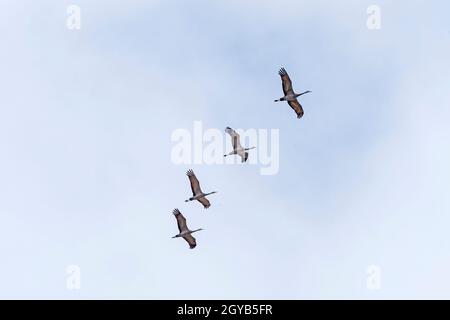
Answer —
86 178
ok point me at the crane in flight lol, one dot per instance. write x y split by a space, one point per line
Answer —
237 147
185 233
289 95
197 193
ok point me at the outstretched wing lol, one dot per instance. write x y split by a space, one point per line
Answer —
297 108
235 138
181 220
191 240
195 185
204 202
287 83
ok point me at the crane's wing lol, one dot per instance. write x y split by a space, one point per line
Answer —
191 240
297 108
181 220
204 202
287 83
235 138
244 156
195 185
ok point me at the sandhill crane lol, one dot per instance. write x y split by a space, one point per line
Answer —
197 193
185 233
237 148
289 95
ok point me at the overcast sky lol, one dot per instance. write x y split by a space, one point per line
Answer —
86 177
